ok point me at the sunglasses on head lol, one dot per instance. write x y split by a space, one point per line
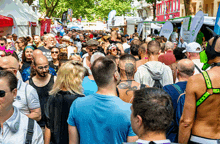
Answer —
56 52
2 93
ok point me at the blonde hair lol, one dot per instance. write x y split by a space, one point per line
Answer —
69 76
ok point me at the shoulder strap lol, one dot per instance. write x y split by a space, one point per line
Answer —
30 131
180 96
26 96
117 91
178 89
198 68
142 86
207 80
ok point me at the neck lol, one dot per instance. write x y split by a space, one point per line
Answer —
182 79
46 47
55 61
144 57
42 78
153 58
109 90
88 58
22 48
6 114
152 136
136 57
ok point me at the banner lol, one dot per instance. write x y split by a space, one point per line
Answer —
166 30
184 32
140 28
111 16
196 25
217 22
69 15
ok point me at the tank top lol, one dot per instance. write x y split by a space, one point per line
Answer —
43 93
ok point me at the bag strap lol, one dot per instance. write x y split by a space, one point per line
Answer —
117 91
198 68
30 131
26 96
142 86
178 89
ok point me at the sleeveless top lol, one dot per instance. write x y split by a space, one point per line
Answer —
43 93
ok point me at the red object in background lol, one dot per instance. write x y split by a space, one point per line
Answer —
34 24
45 26
5 21
91 36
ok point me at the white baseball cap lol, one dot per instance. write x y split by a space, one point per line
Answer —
67 38
193 47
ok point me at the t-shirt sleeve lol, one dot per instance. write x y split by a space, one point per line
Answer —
137 77
32 97
71 118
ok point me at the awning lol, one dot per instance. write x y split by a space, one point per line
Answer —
5 21
34 24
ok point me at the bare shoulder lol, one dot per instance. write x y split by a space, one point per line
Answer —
55 78
27 82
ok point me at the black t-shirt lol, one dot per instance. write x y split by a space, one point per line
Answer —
43 93
25 65
46 52
53 66
57 112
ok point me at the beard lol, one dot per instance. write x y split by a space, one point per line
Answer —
42 74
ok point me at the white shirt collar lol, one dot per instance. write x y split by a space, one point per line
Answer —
14 121
167 141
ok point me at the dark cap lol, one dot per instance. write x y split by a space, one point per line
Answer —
92 43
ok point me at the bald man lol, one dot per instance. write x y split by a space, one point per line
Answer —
185 69
127 85
42 82
200 120
27 100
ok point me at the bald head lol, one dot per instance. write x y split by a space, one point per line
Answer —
37 53
9 63
186 67
40 60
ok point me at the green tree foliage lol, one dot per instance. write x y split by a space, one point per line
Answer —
91 9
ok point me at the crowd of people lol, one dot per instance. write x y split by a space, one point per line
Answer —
105 87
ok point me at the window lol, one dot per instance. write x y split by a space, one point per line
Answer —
177 5
170 6
173 5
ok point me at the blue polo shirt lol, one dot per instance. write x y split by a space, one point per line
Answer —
89 86
101 119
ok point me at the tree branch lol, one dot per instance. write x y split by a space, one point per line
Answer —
45 2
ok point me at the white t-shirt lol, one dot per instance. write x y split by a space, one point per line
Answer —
167 141
27 98
125 46
87 67
70 50
174 35
199 65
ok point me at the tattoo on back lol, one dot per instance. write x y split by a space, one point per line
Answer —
127 85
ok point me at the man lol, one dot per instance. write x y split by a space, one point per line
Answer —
58 37
15 126
142 53
49 42
185 69
26 74
127 85
37 41
201 108
14 38
3 42
125 43
66 40
27 100
154 73
151 115
200 37
89 85
192 52
182 44
168 58
42 82
92 47
102 117
174 35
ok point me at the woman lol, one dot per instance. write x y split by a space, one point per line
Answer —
113 50
20 45
27 57
67 87
55 62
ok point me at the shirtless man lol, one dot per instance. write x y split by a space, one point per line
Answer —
142 52
200 119
127 67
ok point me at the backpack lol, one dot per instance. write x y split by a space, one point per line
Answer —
157 84
30 131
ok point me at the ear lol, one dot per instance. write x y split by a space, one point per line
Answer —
116 76
14 92
139 120
15 72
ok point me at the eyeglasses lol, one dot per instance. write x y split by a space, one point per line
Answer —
43 67
2 93
55 52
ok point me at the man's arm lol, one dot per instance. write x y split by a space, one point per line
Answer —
187 118
73 135
132 138
35 114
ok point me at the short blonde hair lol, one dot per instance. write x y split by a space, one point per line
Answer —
69 76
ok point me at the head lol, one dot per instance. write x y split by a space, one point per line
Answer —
92 46
9 42
37 53
95 56
75 57
69 77
148 39
181 40
29 40
63 48
185 68
152 111
105 72
127 66
178 53
14 37
37 39
27 54
8 90
113 49
9 36
3 42
58 33
142 51
22 43
66 40
49 41
55 52
169 46
192 50
70 34
153 48
41 66
9 63
124 40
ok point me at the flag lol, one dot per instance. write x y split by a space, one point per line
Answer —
217 23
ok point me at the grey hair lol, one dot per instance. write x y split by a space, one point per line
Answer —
169 45
95 56
187 70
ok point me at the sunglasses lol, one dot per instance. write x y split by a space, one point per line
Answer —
91 50
2 44
2 55
72 54
43 67
2 93
55 52
114 49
